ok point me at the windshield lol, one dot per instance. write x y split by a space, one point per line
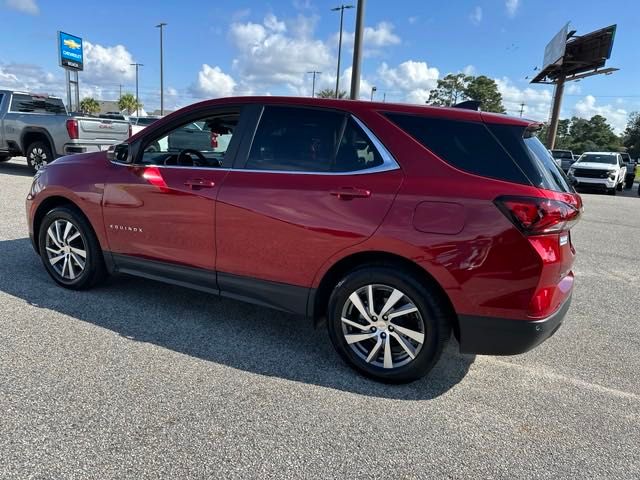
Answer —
595 158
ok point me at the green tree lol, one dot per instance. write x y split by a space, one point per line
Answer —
594 134
128 102
331 93
631 136
484 90
450 90
89 106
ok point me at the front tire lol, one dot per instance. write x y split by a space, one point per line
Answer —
401 337
619 186
38 155
4 158
612 191
69 249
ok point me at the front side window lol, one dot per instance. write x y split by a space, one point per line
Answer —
200 143
310 140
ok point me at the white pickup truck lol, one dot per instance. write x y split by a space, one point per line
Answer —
602 170
39 128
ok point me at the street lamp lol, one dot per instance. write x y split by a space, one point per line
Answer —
160 26
373 90
341 8
137 102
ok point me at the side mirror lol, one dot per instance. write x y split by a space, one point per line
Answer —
118 153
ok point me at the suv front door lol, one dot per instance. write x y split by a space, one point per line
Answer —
161 207
313 182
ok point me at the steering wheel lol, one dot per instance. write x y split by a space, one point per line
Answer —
186 153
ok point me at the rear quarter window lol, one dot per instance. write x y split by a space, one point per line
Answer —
469 146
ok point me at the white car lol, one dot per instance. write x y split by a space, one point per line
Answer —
602 170
140 123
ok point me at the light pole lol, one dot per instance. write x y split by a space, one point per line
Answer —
373 90
137 102
313 85
341 8
160 26
357 51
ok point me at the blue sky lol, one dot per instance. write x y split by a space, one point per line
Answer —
247 46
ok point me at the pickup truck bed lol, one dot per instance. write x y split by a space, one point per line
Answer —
40 128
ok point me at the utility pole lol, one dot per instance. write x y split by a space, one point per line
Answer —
373 90
137 65
161 25
384 97
120 96
342 9
313 85
357 52
521 108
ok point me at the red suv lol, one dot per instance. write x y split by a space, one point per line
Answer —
395 224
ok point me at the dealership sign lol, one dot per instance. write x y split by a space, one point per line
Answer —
70 51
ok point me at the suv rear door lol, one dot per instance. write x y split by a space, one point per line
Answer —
311 183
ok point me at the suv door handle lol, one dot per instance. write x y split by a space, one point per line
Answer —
347 193
196 183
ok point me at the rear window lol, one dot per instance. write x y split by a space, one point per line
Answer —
532 156
561 154
469 146
33 103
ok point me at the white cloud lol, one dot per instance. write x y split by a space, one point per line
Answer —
512 7
476 15
573 89
469 70
25 6
268 57
410 80
381 35
107 64
616 117
20 76
537 101
213 82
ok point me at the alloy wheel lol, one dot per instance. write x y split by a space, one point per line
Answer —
383 326
38 158
66 249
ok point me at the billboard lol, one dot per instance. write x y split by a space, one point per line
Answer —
70 52
554 51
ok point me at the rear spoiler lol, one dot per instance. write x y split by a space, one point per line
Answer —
469 105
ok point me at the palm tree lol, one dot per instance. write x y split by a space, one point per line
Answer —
128 102
89 106
330 93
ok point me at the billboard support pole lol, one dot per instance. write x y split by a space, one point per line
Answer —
555 111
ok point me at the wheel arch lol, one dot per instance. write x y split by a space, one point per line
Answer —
318 302
49 204
34 134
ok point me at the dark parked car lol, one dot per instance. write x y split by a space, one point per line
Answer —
566 158
394 224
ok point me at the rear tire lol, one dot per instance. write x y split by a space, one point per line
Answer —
38 155
400 347
628 183
70 250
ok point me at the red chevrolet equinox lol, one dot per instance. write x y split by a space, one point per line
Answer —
394 224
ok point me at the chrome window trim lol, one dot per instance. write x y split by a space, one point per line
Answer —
389 163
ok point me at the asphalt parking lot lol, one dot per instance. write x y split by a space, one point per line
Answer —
138 379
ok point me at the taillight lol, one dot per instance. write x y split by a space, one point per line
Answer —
72 128
537 216
214 140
